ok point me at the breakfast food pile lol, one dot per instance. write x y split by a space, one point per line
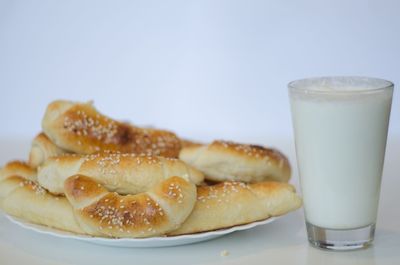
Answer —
89 174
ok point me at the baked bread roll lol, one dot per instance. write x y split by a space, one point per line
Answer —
155 212
41 149
80 128
18 168
229 204
25 199
221 161
219 206
123 173
99 212
189 143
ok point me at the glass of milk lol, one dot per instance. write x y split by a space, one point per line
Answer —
340 127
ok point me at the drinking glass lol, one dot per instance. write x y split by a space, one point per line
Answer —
340 128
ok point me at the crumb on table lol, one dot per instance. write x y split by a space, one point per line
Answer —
224 253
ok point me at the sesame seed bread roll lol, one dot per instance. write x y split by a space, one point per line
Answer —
222 160
18 168
123 173
80 128
25 199
229 204
189 143
41 149
155 212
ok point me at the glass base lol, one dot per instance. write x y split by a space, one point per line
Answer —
340 239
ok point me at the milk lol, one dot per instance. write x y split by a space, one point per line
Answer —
340 145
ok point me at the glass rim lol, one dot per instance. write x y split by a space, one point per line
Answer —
295 88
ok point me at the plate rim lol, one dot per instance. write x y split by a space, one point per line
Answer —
162 239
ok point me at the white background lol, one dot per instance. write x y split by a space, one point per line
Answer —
204 69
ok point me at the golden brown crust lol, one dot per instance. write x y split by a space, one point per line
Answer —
18 168
80 128
41 149
123 173
224 160
249 151
147 214
82 190
27 200
189 143
230 203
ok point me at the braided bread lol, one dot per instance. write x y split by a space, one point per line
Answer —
123 173
222 160
158 211
80 128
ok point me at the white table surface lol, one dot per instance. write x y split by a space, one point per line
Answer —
281 242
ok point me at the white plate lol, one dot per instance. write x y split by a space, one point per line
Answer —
138 242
